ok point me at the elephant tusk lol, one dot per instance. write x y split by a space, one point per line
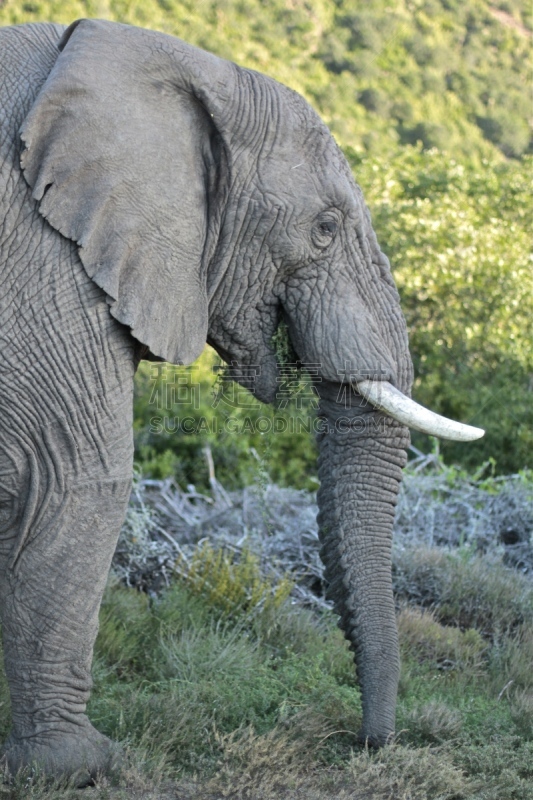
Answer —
387 398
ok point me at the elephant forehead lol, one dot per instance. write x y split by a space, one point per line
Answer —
308 167
305 183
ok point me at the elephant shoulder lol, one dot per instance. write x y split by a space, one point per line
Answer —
27 54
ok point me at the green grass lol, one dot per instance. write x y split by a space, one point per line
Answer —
200 674
263 702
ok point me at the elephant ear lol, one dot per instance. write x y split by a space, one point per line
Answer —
120 155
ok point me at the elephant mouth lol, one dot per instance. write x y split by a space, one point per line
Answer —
385 397
257 372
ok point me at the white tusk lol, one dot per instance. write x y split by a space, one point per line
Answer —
387 398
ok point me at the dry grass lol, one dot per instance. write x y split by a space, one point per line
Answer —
522 712
405 773
438 509
512 660
280 765
423 638
434 722
272 773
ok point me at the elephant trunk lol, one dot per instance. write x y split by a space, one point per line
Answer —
362 453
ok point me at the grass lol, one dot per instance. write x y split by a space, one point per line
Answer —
465 589
261 702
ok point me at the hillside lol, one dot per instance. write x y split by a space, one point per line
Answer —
450 74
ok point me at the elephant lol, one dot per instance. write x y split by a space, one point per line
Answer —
155 197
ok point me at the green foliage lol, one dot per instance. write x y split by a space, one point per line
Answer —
459 237
522 713
180 410
460 67
503 768
231 585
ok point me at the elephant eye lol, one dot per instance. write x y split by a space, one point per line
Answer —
324 229
329 227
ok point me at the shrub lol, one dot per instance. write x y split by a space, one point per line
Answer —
426 640
179 411
522 713
507 130
511 660
457 264
229 585
408 774
433 722
430 134
374 100
502 766
466 592
264 766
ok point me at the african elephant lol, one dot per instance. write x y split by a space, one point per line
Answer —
154 197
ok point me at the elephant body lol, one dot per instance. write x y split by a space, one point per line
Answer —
153 196
66 378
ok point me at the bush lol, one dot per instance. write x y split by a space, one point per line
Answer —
522 713
433 722
374 100
511 660
232 586
424 639
430 134
503 768
466 592
465 281
408 774
178 411
508 131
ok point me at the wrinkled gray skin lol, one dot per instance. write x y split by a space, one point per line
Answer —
153 197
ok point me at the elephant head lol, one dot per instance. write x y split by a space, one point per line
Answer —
210 202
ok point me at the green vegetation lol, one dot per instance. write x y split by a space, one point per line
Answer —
231 585
223 685
460 238
450 74
180 410
466 593
259 700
